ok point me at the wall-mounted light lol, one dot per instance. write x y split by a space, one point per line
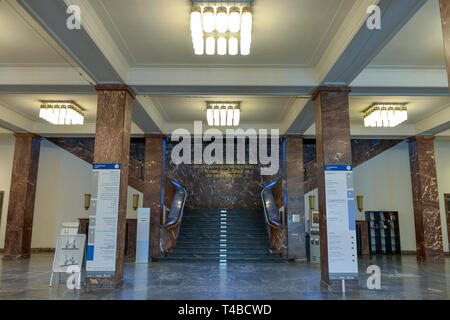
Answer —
312 202
87 201
135 201
360 203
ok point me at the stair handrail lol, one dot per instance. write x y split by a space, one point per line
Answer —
174 223
269 221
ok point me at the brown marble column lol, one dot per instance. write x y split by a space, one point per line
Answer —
295 206
427 217
153 188
333 147
19 223
112 145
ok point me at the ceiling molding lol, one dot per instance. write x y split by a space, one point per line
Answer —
41 76
14 121
435 123
400 91
220 77
304 120
344 35
401 77
366 44
224 90
97 31
47 89
51 15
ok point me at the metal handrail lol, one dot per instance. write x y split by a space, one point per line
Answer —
271 223
177 221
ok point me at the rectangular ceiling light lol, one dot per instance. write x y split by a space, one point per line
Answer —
225 114
61 113
385 115
219 27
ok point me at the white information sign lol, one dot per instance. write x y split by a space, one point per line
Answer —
341 228
143 233
68 253
102 235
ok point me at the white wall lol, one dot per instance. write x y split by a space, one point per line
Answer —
6 160
63 179
385 183
442 154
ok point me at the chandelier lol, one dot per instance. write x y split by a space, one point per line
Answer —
385 115
223 114
221 27
62 113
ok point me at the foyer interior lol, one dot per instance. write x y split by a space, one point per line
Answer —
313 71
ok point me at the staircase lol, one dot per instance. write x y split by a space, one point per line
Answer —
223 236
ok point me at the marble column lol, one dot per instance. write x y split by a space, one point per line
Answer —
295 204
153 188
19 223
427 217
112 145
333 147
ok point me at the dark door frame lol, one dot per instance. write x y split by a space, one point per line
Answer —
446 200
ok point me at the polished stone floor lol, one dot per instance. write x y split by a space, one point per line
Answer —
402 278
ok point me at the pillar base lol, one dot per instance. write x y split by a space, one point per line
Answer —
16 256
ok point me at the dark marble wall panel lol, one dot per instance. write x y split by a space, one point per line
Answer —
153 188
427 215
220 185
169 192
19 222
295 203
112 145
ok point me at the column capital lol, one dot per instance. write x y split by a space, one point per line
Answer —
115 87
415 138
321 89
27 135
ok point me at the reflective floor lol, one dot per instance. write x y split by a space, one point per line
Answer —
402 278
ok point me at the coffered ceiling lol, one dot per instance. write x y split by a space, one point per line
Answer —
287 33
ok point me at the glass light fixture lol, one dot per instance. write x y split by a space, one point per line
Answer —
234 23
222 46
247 20
223 113
385 115
223 116
210 116
210 45
216 116
236 116
224 24
222 20
62 113
230 116
196 19
233 46
209 22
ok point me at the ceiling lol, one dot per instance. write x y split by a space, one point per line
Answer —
21 42
28 104
253 109
418 44
286 33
